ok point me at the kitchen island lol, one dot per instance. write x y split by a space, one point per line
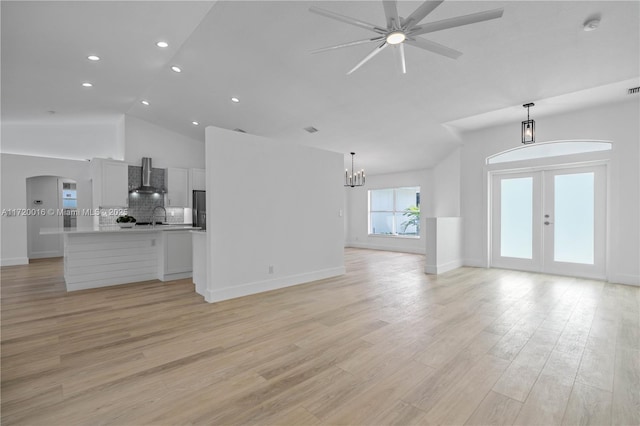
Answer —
110 255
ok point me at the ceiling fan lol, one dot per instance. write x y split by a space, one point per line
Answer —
399 31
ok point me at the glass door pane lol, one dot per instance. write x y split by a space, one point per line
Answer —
516 212
573 221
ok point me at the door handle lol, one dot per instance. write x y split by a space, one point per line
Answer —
548 223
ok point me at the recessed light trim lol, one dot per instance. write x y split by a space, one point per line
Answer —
145 102
175 68
195 123
235 100
93 58
162 44
87 84
591 25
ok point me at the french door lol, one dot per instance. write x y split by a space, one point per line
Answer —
550 221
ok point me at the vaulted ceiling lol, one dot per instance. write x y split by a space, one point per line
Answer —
259 52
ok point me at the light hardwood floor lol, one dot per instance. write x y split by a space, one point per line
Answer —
383 344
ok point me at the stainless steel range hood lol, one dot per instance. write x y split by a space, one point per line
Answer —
146 187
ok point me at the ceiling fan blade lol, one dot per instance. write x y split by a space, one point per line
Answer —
375 51
348 20
457 21
420 13
434 47
391 12
353 43
403 63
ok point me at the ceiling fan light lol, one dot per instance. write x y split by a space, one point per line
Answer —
396 37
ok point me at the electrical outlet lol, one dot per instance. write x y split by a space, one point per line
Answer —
340 213
153 243
271 269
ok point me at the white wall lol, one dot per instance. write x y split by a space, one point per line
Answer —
444 247
617 122
270 203
15 169
70 140
358 206
166 148
445 199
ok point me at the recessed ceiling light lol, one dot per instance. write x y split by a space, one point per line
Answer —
93 58
145 103
591 25
195 123
176 69
86 84
162 44
236 100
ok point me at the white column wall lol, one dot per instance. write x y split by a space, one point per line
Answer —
270 207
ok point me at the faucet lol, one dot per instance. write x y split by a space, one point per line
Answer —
153 215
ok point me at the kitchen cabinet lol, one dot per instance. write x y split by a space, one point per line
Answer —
178 252
198 180
110 183
177 187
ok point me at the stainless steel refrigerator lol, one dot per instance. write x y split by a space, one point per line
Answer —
199 210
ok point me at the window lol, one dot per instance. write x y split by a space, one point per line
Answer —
395 211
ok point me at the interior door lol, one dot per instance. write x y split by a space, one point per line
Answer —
574 222
550 221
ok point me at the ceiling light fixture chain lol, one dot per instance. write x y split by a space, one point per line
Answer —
354 179
528 127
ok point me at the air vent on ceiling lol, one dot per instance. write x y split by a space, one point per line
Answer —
633 90
311 129
239 130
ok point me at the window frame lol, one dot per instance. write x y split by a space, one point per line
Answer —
393 212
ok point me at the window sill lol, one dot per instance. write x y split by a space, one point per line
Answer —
402 237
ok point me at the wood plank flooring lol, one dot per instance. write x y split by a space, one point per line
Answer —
384 344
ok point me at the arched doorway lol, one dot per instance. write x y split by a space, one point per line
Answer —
51 203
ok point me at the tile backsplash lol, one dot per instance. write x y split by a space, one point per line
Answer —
141 205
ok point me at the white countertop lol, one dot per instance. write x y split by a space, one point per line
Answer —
116 228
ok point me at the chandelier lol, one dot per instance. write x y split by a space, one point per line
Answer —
355 178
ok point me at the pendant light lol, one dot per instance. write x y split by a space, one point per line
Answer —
528 127
353 179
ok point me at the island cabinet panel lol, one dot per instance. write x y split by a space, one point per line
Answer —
178 259
103 259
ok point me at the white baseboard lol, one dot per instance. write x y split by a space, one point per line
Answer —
178 276
233 292
386 248
476 263
11 261
628 279
442 268
46 254
108 282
